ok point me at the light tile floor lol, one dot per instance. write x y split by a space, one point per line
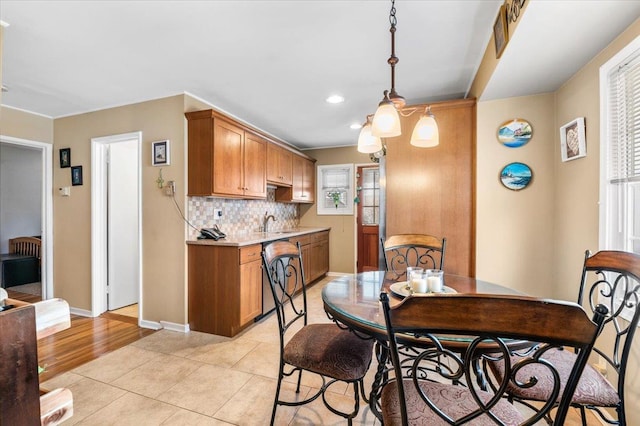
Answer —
194 378
171 378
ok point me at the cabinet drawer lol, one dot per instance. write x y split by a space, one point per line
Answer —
250 253
319 236
303 239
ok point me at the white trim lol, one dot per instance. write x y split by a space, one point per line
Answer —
81 312
99 221
4 24
172 326
47 208
153 325
27 111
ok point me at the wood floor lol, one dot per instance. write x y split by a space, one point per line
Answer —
85 340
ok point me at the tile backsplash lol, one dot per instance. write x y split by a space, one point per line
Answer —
241 216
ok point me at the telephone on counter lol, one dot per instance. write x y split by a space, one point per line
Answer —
211 233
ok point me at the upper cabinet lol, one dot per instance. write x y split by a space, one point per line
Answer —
225 159
302 188
279 165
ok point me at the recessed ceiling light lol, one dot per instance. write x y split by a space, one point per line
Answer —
335 99
355 126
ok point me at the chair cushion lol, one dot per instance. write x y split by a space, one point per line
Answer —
592 389
329 350
454 401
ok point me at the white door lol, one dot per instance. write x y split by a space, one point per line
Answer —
122 224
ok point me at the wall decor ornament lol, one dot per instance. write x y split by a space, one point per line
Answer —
160 153
500 34
516 176
76 175
65 158
573 143
515 133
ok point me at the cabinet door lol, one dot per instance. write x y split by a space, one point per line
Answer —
250 291
308 181
279 165
227 159
254 178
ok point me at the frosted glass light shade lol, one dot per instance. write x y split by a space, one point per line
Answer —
386 121
425 134
367 143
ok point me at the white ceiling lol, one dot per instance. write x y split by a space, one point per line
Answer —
273 63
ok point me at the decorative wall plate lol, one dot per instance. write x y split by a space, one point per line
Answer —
516 176
515 133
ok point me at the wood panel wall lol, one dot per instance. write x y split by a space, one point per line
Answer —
432 190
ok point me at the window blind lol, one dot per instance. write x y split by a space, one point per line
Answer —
624 121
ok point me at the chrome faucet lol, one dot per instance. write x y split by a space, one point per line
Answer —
265 221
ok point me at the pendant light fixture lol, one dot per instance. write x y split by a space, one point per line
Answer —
386 120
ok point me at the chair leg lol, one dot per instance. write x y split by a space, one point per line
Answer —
299 380
275 401
583 415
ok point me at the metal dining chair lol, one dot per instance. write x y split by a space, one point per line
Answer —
457 332
333 353
611 278
425 251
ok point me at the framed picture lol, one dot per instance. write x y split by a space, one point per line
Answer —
335 189
515 133
65 158
516 176
572 140
76 175
500 35
160 153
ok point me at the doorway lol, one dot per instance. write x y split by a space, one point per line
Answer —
116 225
45 152
368 217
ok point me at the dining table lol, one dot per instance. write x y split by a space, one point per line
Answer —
353 302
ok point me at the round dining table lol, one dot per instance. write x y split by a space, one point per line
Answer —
353 302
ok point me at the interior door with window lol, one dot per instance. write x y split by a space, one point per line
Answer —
368 217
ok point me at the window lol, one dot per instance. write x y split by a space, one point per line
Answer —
335 189
370 196
620 152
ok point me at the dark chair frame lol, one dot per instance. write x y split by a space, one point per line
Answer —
421 250
495 327
283 262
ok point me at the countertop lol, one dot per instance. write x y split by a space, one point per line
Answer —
249 238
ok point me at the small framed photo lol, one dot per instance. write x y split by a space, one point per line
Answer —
572 140
76 175
160 153
500 34
65 158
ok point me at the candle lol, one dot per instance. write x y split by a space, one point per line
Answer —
419 283
435 284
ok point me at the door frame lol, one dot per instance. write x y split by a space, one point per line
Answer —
99 263
46 249
355 213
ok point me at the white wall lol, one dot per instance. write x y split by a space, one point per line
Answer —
20 193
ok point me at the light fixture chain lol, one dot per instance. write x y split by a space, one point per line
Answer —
393 59
392 14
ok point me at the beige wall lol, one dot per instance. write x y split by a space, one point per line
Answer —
163 231
342 235
24 125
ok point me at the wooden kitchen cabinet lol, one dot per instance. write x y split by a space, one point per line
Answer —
315 254
225 288
302 188
225 159
279 165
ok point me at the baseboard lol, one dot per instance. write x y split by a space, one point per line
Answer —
337 274
80 312
172 326
153 325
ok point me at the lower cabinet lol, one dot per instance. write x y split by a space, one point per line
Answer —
225 288
315 254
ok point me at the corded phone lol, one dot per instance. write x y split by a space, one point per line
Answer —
212 233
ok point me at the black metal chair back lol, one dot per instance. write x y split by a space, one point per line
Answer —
612 278
401 251
439 345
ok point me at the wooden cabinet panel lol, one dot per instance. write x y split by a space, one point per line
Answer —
250 291
228 161
438 184
303 182
279 165
315 255
254 166
200 161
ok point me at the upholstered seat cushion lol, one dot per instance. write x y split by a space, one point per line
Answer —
329 350
454 401
593 388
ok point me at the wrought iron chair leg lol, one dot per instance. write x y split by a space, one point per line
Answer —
583 415
275 401
299 380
